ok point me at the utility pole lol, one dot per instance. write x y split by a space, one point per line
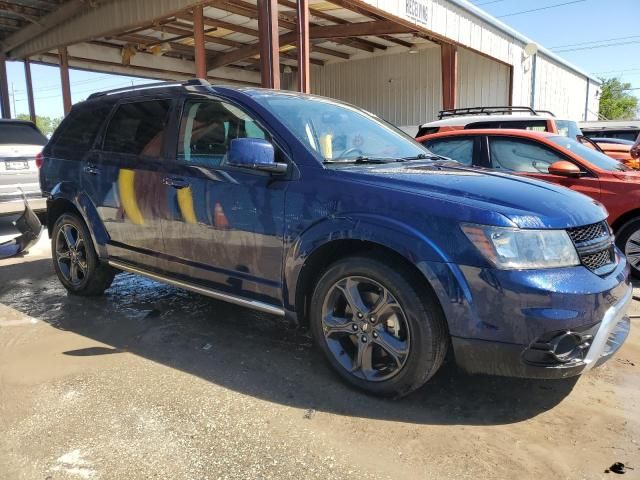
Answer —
13 94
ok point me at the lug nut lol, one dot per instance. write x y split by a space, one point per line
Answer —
375 334
364 339
359 314
372 319
354 327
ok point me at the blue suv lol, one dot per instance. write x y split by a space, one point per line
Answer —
310 208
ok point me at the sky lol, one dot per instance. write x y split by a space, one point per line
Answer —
585 29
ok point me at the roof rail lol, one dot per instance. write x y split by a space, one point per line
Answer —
186 83
458 112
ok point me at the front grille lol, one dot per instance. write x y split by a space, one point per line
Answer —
588 233
595 247
598 260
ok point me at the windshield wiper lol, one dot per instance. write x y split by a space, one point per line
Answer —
423 156
362 159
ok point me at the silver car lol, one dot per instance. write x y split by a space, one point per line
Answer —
20 142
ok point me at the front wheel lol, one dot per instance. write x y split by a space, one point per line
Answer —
380 332
75 260
628 240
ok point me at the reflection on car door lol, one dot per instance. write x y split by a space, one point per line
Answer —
126 180
519 155
225 225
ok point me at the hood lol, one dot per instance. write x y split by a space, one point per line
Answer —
525 202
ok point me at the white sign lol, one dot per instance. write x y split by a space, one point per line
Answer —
417 10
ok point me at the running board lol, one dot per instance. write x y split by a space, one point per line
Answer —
225 297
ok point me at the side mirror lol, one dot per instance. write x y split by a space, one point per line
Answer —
565 169
254 153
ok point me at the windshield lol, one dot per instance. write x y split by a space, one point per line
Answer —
20 134
598 159
568 128
337 132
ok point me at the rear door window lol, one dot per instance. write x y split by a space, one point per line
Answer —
458 149
76 134
138 128
519 155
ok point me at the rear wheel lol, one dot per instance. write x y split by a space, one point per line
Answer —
628 240
75 260
380 332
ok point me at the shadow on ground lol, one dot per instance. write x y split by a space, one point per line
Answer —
254 353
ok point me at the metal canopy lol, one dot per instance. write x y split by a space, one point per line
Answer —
155 38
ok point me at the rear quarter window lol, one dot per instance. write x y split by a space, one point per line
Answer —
76 134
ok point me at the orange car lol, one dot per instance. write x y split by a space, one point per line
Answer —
635 150
521 118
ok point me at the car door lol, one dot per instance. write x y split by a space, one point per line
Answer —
225 225
462 149
123 178
530 158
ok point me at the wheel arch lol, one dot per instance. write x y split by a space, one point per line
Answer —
392 243
625 218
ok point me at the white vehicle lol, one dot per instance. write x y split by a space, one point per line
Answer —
20 142
521 118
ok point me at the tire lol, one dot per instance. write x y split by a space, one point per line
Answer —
389 355
628 240
78 267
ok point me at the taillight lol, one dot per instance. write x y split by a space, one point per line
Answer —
39 160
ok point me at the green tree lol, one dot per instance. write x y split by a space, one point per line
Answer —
616 103
46 125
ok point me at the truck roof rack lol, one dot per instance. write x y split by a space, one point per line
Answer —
459 112
187 83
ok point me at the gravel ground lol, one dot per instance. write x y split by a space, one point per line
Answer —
153 382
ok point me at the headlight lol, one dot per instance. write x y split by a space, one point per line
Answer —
512 248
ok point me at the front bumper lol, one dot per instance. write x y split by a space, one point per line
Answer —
496 358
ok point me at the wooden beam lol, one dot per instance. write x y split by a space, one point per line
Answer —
4 88
198 43
30 100
449 57
245 9
64 79
254 33
317 32
269 43
332 18
302 33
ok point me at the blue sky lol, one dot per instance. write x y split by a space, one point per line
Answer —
574 24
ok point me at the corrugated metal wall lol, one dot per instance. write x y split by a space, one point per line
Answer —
402 88
481 81
560 90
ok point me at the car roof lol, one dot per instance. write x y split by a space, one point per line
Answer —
512 132
467 119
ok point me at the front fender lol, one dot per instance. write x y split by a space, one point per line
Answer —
444 277
65 191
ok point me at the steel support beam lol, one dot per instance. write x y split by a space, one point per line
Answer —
64 79
269 43
449 75
4 89
198 43
302 31
29 82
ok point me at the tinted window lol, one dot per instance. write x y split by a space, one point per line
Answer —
460 149
534 125
521 155
20 134
78 131
207 128
138 128
598 159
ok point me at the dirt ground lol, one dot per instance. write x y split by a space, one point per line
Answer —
153 382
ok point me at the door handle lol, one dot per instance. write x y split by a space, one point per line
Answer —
91 169
176 182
